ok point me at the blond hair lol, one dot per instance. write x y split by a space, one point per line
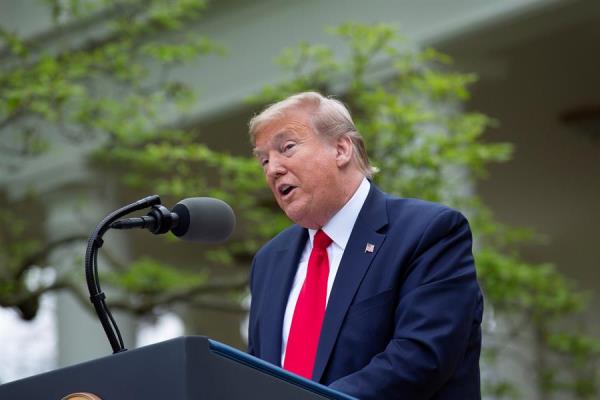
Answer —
329 117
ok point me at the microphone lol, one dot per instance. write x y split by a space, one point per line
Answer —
197 219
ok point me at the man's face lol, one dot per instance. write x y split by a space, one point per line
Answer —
301 169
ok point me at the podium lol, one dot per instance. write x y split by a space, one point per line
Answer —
191 367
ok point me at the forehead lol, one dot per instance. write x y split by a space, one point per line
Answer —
296 125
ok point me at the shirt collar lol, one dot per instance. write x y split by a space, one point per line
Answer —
340 225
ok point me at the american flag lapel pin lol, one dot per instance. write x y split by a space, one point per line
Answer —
370 247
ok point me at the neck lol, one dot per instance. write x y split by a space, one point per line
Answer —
350 185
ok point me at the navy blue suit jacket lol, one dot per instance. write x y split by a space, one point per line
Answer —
402 321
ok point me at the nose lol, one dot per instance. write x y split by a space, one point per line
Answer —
275 167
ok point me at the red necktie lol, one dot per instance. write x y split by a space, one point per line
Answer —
305 330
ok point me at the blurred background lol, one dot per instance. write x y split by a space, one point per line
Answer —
490 106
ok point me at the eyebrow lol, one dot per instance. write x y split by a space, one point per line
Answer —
276 139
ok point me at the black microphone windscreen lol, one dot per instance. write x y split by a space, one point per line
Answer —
204 219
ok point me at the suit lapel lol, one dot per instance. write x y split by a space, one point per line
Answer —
353 266
284 269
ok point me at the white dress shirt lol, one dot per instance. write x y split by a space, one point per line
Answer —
338 229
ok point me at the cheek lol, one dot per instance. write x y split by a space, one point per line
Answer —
272 189
270 182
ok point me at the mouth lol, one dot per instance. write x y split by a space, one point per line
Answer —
285 190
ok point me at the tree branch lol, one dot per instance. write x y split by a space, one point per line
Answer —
43 253
192 296
33 295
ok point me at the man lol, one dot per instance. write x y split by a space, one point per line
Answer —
373 295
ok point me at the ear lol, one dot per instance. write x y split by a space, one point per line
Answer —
344 150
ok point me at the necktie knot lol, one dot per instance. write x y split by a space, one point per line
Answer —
321 240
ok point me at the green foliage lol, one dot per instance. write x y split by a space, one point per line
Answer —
500 390
105 87
103 81
537 290
149 277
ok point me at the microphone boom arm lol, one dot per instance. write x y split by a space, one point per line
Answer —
97 297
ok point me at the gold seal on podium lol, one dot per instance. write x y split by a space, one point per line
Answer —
81 396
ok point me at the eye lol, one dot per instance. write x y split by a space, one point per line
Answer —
288 146
264 162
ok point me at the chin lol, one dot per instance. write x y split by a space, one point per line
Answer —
294 217
297 217
308 224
